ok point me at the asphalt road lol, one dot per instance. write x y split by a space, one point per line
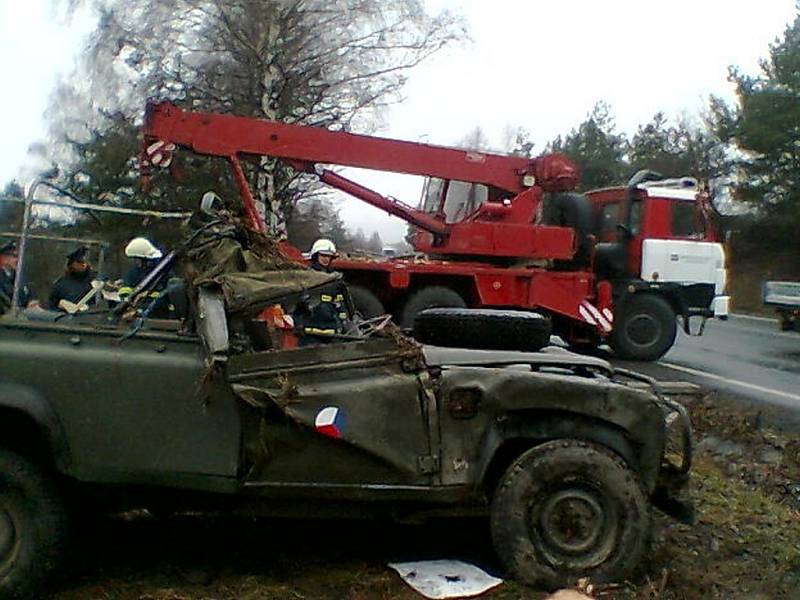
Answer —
746 356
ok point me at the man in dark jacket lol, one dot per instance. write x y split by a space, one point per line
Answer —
9 257
76 282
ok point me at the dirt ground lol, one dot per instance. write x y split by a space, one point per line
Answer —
745 543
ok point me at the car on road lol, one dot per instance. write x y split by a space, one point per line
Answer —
215 411
784 298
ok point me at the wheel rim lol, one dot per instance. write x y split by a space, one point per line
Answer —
9 539
573 526
643 330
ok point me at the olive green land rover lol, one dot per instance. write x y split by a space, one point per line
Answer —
215 410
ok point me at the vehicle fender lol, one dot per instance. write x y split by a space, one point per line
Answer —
28 402
518 432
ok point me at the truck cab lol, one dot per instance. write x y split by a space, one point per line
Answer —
660 234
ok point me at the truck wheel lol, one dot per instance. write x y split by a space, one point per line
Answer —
786 321
569 509
32 527
367 303
645 329
483 328
434 296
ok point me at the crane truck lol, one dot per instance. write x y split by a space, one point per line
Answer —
617 265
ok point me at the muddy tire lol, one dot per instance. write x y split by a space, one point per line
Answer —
645 329
483 329
367 304
569 509
434 296
32 527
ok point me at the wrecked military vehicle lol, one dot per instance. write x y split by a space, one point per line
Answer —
213 411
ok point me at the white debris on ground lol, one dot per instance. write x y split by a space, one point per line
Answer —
437 579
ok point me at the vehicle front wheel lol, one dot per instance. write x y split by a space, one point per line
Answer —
645 329
32 527
569 509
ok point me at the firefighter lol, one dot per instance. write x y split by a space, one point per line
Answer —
76 281
321 319
145 256
323 252
9 258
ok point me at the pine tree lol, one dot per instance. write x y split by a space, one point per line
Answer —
676 150
764 125
597 149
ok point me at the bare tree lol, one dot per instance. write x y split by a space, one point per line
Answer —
328 63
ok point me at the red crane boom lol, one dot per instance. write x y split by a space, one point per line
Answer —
497 229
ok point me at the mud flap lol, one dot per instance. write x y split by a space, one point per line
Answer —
682 511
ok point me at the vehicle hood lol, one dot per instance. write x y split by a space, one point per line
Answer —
552 356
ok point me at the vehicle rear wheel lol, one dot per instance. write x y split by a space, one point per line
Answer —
367 304
32 527
434 296
786 321
568 509
645 329
483 329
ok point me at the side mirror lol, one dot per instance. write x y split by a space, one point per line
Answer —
211 203
624 231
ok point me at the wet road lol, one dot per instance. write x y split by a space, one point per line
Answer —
746 356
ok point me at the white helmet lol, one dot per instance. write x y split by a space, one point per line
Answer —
142 248
323 246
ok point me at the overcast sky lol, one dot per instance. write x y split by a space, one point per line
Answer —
543 65
540 65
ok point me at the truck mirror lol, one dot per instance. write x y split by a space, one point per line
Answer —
624 231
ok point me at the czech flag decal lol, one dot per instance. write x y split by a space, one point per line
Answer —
330 421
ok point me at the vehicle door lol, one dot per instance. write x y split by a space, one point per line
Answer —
140 409
342 413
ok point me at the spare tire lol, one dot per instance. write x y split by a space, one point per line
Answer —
434 296
483 329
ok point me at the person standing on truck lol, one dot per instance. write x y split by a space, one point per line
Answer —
9 258
76 281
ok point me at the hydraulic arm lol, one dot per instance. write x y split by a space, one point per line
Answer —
501 227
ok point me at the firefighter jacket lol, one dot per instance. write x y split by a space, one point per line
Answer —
162 309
